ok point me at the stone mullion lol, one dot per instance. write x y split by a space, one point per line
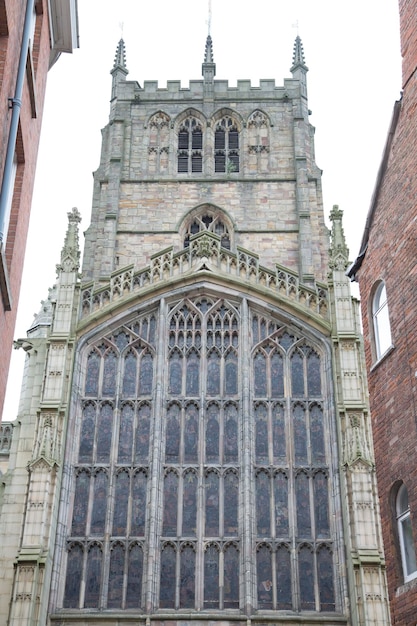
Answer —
199 598
247 495
155 479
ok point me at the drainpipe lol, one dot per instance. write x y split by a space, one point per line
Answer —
15 104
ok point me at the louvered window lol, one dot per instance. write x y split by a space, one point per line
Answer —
226 147
190 147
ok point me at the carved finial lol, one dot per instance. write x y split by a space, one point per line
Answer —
70 253
298 55
208 56
120 57
208 67
339 252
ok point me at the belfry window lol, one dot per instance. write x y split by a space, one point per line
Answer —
226 146
208 458
190 146
212 223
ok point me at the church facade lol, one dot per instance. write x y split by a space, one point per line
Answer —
193 440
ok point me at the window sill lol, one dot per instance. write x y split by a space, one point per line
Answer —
382 357
407 586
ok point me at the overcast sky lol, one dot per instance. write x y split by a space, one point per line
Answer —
351 47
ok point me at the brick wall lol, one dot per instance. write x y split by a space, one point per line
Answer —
408 38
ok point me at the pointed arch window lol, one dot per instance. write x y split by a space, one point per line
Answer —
190 146
226 146
405 535
381 322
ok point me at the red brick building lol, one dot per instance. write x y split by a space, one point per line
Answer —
387 274
33 33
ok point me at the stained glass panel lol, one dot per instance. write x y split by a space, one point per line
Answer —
261 434
134 578
98 516
146 375
212 504
278 434
260 375
115 593
317 435
137 528
230 435
93 370
191 434
170 504
306 573
87 434
281 504
321 506
263 505
326 583
168 577
74 577
231 577
211 578
193 374
189 505
175 373
297 374
109 374
129 375
212 435
121 504
303 505
300 434
79 515
104 433
231 500
313 374
284 592
264 573
125 434
231 373
172 441
277 375
93 577
142 434
187 578
213 374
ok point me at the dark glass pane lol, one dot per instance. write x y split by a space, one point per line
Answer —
129 375
172 442
212 504
109 374
134 579
183 140
219 140
300 434
317 435
220 162
297 374
146 375
277 376
281 504
121 340
212 435
168 578
261 435
283 563
211 578
115 593
98 516
125 435
175 374
233 140
259 365
121 504
231 500
87 434
93 370
189 505
264 573
313 374
74 577
263 505
138 504
303 505
231 373
306 573
326 584
79 515
93 578
104 433
321 507
233 162
170 504
142 434
231 578
278 434
230 435
193 374
152 329
197 139
187 578
191 435
213 374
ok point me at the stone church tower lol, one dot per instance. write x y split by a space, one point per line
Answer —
193 440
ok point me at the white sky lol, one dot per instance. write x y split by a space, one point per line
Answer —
352 50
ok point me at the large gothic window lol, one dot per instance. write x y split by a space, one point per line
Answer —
202 461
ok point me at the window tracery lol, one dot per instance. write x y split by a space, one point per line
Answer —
258 141
197 431
158 148
190 146
212 221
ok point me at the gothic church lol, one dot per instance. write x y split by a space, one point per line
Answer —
193 441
